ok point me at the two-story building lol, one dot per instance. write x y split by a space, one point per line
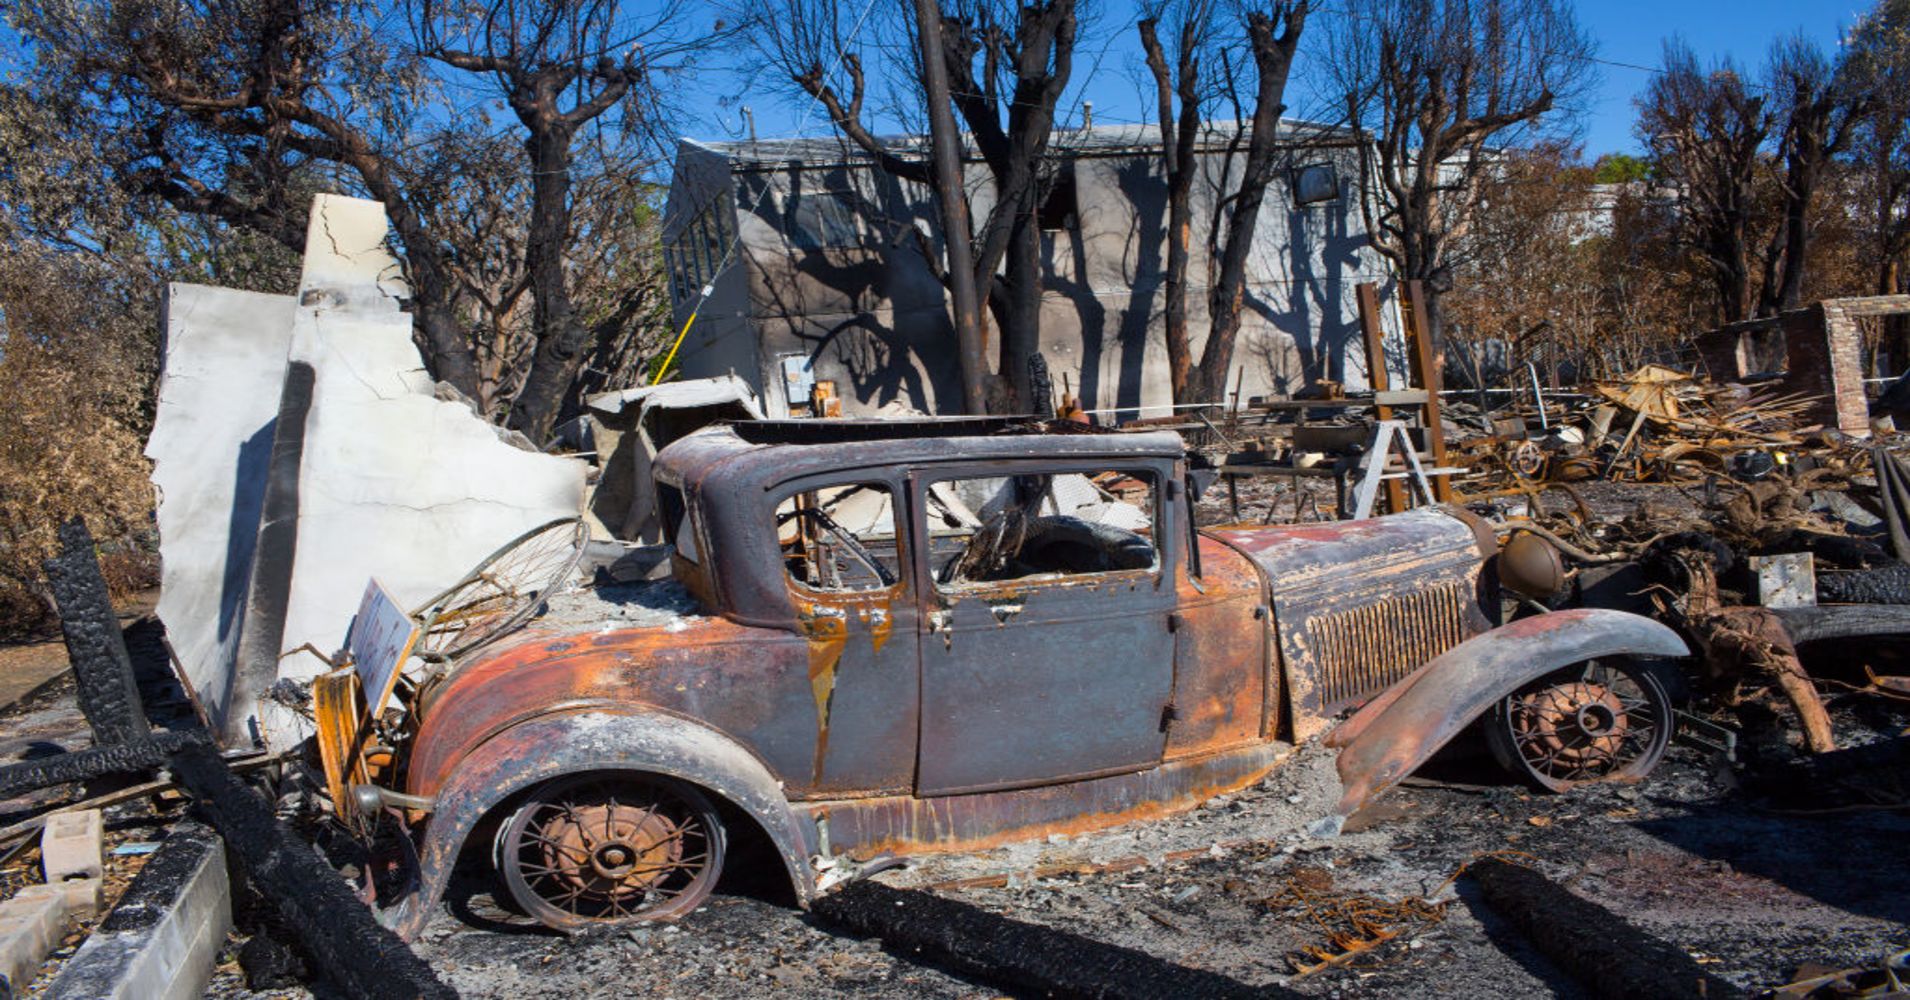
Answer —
814 258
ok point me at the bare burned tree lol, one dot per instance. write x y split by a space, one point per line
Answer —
1008 65
1183 93
1439 85
1705 131
236 109
1819 108
1879 60
560 66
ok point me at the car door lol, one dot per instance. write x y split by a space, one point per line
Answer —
850 581
1046 646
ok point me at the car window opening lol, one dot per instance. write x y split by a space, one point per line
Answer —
1045 525
840 539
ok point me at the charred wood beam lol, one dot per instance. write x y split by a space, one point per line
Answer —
86 765
1024 959
1591 943
1844 621
1883 585
102 669
363 958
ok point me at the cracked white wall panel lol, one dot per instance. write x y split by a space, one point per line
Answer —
393 483
225 354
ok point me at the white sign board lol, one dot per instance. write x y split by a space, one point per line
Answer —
381 639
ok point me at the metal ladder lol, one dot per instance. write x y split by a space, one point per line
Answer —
1386 436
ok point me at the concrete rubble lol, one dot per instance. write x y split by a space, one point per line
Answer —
280 514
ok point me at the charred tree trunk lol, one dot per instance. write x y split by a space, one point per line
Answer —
1272 37
1179 135
1823 112
1272 57
1010 130
561 340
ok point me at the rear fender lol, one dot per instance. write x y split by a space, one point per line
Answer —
595 739
1399 730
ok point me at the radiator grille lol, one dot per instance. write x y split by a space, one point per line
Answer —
1363 651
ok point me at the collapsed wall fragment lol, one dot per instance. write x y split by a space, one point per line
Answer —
301 449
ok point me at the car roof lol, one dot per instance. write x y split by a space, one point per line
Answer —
769 452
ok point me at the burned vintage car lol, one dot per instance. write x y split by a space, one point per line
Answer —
944 635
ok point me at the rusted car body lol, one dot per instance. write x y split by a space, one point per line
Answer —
914 714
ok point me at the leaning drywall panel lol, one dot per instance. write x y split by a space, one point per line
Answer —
224 360
393 482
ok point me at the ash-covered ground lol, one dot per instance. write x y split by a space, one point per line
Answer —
1752 893
1754 878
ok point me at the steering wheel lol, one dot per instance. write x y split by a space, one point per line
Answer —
848 541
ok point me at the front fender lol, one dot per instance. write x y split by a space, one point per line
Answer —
595 739
1396 732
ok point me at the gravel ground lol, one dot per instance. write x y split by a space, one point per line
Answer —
1753 895
1237 888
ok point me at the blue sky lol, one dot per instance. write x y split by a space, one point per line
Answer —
1107 67
1629 33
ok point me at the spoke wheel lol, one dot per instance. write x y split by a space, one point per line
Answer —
611 848
502 592
1595 721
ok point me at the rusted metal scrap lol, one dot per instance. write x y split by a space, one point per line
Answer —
1889 976
1354 923
1742 643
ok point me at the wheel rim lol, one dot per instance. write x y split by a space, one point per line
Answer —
502 592
1593 722
611 849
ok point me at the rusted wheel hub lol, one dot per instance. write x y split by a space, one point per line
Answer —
611 849
1590 722
1527 459
1577 725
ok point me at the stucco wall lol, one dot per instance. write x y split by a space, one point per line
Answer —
873 317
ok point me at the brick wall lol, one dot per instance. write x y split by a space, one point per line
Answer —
1826 360
1721 353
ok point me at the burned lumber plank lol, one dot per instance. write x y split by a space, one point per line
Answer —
1592 944
1883 585
86 765
102 669
1022 958
339 932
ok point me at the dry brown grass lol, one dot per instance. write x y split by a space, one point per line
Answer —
75 377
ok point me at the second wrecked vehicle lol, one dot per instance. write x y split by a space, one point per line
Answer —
944 635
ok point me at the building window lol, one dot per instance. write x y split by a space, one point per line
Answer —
819 220
699 250
1058 210
1315 183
